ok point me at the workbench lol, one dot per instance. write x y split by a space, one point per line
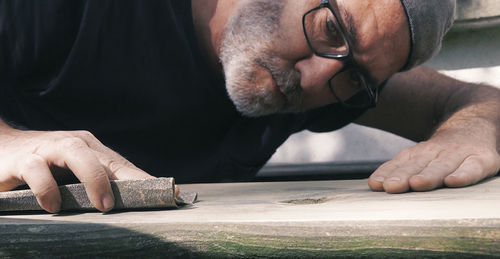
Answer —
275 219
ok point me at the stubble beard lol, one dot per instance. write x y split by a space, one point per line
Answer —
246 47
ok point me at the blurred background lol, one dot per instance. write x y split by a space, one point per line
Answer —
471 52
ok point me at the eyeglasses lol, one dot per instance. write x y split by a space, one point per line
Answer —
325 35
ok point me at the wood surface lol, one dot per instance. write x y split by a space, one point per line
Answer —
275 219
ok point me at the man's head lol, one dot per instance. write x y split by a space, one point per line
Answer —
429 21
271 66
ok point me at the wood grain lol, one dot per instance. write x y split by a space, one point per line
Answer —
279 219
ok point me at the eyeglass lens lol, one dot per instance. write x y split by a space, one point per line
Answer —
349 86
327 40
324 33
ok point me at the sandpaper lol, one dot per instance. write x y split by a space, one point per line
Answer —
157 193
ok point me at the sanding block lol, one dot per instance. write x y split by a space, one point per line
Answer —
156 193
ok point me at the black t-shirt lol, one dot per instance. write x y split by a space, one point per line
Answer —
131 73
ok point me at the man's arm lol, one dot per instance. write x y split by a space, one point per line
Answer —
28 157
458 122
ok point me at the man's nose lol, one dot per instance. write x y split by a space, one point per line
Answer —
315 71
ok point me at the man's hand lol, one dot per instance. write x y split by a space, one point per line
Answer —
27 157
459 122
447 159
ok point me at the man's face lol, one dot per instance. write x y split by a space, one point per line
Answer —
269 67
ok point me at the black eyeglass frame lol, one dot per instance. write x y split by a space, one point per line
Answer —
347 59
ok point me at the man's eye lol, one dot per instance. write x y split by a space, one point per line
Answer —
332 31
355 78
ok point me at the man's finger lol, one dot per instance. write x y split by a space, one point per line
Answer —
393 177
35 172
433 175
9 181
377 178
74 153
398 181
471 171
119 168
118 171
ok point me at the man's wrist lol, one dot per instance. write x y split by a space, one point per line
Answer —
480 123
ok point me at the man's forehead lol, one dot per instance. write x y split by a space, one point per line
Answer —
348 22
378 33
427 23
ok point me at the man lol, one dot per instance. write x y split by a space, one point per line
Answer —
151 80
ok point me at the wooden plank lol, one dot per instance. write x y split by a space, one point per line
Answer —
279 219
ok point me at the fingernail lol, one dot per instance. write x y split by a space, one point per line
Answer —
395 179
55 208
379 179
177 191
108 202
